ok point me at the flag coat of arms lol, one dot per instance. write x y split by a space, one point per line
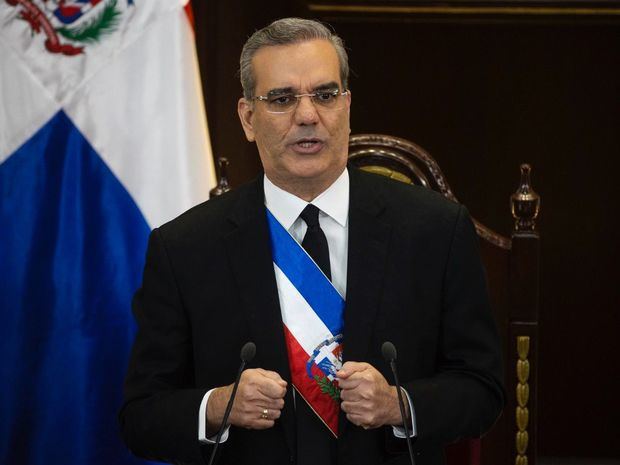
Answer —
103 136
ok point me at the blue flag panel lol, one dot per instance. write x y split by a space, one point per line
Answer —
72 246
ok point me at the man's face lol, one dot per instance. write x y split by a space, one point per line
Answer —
303 151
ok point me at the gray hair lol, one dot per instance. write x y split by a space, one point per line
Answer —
284 32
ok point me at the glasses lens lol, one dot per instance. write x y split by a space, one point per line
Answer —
281 103
327 99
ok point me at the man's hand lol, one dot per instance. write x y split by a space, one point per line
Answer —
367 398
260 394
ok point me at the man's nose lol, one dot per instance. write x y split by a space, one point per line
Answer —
306 112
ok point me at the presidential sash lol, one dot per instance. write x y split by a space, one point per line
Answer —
313 317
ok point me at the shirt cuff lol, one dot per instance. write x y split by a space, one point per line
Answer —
202 423
399 431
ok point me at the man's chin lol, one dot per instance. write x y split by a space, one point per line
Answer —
315 170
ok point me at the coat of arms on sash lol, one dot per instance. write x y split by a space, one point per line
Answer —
327 356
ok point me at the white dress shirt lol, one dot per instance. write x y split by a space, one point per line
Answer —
333 205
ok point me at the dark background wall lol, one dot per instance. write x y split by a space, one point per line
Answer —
483 91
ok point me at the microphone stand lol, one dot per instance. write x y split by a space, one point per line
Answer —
389 354
247 354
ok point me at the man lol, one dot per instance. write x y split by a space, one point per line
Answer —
403 259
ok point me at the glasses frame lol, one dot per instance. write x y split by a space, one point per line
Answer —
297 97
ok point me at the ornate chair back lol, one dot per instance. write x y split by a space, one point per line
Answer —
512 271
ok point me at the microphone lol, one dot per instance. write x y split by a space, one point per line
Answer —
248 351
389 354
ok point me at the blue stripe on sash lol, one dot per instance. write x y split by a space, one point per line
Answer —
306 276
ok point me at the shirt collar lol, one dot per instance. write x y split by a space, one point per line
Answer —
286 207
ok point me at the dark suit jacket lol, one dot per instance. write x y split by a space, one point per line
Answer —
414 278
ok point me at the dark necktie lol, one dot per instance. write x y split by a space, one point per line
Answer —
315 444
315 241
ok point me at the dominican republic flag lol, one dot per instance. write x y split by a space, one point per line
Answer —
103 136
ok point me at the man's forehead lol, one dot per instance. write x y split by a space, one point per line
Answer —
302 65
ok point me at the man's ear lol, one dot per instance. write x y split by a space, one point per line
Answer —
246 110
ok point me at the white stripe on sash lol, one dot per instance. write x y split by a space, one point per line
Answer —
297 315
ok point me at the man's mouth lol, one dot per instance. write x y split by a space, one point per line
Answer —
307 145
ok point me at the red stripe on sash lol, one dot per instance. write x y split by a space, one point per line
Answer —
311 390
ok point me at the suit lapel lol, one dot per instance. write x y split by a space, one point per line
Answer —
368 244
248 246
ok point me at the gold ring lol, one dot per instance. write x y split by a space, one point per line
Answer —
265 414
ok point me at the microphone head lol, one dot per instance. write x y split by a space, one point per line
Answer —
389 351
248 351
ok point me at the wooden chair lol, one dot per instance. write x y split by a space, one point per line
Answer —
512 273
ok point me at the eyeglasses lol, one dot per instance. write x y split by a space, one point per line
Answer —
286 103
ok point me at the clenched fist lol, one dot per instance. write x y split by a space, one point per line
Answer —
367 398
259 401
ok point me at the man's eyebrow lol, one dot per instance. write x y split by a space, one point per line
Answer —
289 90
328 86
281 90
